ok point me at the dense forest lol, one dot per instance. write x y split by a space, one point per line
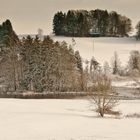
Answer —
38 65
83 23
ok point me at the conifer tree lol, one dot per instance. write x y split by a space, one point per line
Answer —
138 31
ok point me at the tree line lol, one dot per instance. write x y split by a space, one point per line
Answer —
83 23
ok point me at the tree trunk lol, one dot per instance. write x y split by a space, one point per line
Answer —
101 111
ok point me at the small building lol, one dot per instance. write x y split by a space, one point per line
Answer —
95 34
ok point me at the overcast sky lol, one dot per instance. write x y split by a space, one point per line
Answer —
29 15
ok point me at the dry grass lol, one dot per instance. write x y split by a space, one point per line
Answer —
134 115
109 111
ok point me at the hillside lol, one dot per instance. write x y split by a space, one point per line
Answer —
103 48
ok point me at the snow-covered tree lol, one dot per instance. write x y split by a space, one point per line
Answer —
79 65
40 33
93 64
106 68
115 63
134 62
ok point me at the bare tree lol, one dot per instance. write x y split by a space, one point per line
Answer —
103 95
40 33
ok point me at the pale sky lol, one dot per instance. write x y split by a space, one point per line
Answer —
29 15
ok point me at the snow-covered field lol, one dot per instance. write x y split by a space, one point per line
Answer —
65 120
104 48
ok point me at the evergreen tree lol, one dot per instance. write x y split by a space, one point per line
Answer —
134 61
79 64
9 55
115 64
138 31
27 58
59 24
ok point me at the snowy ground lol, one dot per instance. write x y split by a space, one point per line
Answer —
65 120
104 48
126 84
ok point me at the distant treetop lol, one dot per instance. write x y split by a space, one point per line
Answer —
83 23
